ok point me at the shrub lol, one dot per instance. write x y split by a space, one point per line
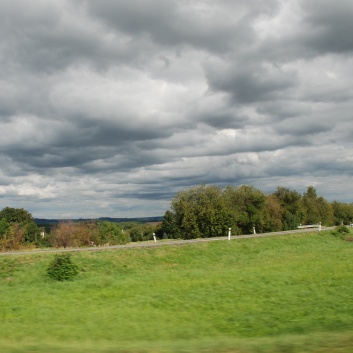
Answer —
13 238
61 268
341 231
72 234
110 233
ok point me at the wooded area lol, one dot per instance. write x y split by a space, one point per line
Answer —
198 212
208 211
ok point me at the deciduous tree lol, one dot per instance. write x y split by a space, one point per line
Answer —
200 212
291 207
16 215
246 207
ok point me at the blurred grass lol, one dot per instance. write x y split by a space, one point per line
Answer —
274 294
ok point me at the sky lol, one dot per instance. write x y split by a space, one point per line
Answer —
108 108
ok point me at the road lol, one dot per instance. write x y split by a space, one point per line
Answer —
160 243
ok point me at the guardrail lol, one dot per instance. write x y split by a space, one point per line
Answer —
310 226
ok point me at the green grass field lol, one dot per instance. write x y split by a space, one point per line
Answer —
275 294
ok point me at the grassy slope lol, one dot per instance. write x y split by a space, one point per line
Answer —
278 294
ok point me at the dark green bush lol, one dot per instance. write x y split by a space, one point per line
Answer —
62 268
341 231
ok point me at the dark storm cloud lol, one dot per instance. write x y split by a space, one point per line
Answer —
36 37
295 126
108 108
329 26
175 23
47 38
223 120
250 84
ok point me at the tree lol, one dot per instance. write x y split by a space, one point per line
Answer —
343 213
4 227
16 215
61 235
200 212
273 214
316 209
291 207
326 211
71 234
135 233
246 208
110 233
147 231
168 229
31 232
311 213
13 238
18 221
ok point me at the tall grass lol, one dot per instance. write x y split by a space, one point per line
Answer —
237 296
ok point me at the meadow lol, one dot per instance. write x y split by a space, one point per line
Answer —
290 293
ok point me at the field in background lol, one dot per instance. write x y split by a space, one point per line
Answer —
276 294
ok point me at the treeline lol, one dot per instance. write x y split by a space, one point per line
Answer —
18 231
198 212
209 211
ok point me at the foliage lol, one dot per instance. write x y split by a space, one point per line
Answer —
31 233
291 208
16 228
315 209
169 228
140 232
199 212
71 234
4 227
208 211
62 268
343 213
16 215
13 239
246 206
110 233
341 231
273 214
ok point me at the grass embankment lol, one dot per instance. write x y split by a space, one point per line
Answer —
275 294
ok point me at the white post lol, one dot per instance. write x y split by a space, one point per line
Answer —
229 232
154 238
254 230
319 226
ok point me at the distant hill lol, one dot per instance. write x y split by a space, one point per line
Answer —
44 221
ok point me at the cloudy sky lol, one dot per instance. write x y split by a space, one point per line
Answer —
109 107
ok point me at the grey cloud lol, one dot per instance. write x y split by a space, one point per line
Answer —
298 126
321 30
224 120
108 108
251 84
329 26
199 24
281 110
74 148
49 38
